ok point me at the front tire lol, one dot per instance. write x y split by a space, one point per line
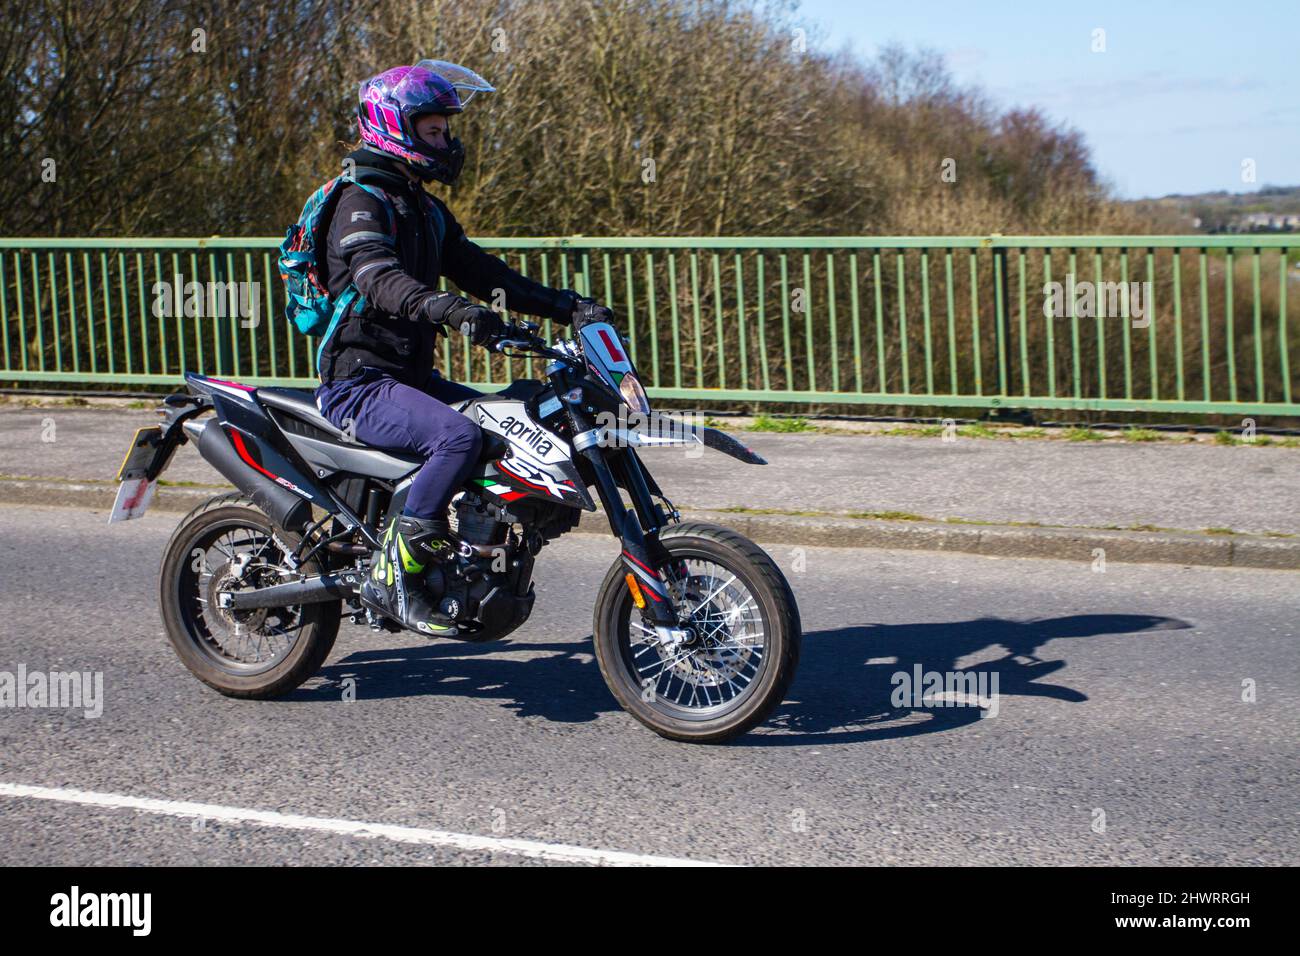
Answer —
746 654
257 654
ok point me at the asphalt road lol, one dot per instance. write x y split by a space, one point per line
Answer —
1120 692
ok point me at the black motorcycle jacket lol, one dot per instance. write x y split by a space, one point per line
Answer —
394 254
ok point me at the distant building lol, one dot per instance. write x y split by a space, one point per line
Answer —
1265 222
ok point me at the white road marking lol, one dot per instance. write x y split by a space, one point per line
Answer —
557 852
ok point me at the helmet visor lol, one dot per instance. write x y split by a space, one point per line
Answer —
436 85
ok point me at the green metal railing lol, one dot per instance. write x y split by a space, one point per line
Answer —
898 321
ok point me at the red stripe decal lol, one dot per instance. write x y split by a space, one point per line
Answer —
651 570
219 381
611 346
518 477
243 453
501 465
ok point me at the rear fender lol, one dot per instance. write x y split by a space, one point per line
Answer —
175 411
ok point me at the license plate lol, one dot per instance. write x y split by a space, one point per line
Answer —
138 456
136 491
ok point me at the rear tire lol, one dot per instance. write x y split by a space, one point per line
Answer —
778 617
196 628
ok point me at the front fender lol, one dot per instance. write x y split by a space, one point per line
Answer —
654 430
721 441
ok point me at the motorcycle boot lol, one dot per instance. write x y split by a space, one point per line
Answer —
395 585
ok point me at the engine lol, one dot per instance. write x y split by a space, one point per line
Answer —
489 592
473 523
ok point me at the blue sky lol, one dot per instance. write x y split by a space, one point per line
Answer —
1184 92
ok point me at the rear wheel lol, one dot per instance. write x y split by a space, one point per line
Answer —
227 544
744 653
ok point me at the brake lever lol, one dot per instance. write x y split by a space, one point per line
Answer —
528 341
500 345
519 336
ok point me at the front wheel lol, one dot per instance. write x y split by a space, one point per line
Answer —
744 653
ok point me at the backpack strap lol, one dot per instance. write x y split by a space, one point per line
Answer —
345 301
351 295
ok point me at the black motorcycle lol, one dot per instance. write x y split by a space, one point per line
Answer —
696 629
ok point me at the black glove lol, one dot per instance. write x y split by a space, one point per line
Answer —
435 307
588 311
477 323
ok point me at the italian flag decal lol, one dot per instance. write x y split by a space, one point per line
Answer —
502 491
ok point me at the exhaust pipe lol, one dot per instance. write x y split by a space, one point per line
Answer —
314 590
282 506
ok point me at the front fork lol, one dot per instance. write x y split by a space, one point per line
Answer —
638 530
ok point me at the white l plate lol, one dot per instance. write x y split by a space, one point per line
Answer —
133 497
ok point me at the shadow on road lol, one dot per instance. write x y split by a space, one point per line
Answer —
841 693
562 684
829 705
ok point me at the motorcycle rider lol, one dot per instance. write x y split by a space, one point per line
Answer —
376 367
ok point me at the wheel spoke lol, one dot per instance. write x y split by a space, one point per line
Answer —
668 663
239 641
720 665
709 598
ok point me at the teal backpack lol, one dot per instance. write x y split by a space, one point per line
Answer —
307 300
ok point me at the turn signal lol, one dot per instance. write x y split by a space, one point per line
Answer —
637 597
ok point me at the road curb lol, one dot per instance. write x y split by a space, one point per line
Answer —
1071 544
97 495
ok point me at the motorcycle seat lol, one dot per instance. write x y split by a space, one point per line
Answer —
300 403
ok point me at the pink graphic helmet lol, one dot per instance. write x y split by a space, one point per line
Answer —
389 103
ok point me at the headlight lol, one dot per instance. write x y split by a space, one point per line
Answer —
633 394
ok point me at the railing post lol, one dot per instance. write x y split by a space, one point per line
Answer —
225 347
1001 298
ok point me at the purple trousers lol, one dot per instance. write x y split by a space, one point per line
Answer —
396 417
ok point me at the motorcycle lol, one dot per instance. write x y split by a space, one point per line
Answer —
696 630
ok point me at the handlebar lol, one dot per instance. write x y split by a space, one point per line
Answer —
523 337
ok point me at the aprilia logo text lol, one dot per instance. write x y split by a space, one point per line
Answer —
527 433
